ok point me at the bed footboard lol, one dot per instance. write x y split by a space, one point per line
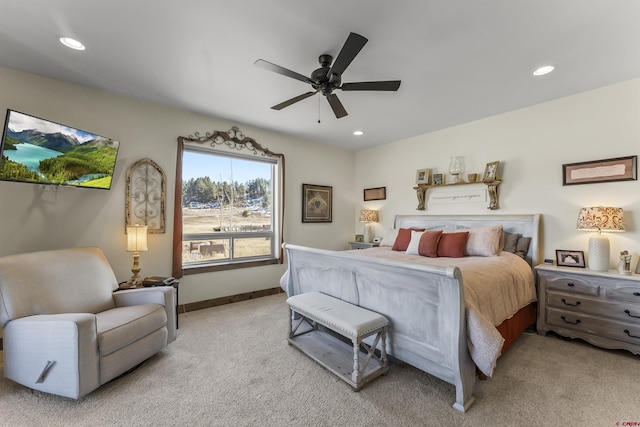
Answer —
424 305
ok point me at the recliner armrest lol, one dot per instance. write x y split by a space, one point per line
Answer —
67 342
163 295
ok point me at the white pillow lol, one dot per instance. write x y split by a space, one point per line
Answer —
485 241
389 237
412 249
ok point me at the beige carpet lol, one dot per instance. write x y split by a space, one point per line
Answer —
231 366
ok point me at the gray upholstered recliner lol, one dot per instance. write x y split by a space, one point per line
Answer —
66 332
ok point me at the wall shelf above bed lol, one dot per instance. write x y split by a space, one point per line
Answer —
492 189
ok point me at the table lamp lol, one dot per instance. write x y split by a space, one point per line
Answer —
136 243
600 219
368 216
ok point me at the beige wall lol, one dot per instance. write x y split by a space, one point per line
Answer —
34 219
533 144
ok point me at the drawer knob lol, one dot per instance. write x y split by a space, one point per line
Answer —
567 321
636 294
631 315
571 285
626 331
572 305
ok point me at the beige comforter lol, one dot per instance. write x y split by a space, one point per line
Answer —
495 288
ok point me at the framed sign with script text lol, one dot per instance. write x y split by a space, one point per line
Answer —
607 170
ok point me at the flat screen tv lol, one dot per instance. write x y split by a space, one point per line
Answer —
39 151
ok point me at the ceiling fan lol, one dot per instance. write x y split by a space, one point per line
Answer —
328 77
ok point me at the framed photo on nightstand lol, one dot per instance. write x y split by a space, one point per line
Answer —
570 258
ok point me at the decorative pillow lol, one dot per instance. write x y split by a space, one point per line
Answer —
522 247
412 249
389 237
510 241
403 239
484 241
429 243
452 245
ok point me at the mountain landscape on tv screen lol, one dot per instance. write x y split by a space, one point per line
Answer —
63 156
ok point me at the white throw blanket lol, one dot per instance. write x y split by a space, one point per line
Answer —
495 288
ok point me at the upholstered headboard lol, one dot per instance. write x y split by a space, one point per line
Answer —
526 225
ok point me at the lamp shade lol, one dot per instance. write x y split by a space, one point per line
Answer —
136 238
601 219
368 215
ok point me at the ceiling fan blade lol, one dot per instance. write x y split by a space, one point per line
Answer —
261 63
336 106
388 85
353 45
293 100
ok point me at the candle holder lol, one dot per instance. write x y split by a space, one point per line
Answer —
456 167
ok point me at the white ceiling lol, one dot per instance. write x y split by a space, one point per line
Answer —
459 60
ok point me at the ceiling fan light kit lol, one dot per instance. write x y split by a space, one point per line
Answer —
328 77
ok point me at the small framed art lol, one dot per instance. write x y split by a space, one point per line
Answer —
438 179
570 258
491 171
423 176
316 203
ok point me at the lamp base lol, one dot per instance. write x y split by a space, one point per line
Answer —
367 233
599 253
135 269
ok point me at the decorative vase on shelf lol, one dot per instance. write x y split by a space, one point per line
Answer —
456 167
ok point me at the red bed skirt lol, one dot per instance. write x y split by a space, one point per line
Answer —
512 328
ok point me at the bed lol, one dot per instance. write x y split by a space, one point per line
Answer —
433 326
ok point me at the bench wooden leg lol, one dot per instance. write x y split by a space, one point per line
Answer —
355 375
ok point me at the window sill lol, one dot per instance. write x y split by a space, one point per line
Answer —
229 266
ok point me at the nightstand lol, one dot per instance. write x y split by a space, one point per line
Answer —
602 308
362 245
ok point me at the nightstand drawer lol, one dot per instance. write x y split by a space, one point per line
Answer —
579 322
625 293
581 304
362 245
572 285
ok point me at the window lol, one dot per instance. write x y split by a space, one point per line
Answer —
230 204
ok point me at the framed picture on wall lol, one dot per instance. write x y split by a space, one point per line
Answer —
316 203
379 193
607 170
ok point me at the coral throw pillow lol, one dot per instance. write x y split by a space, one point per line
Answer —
429 243
403 239
452 245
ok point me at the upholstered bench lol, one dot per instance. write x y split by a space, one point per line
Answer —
355 323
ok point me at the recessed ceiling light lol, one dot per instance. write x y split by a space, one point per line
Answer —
544 70
72 43
358 133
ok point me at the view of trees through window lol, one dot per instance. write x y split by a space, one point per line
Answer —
227 208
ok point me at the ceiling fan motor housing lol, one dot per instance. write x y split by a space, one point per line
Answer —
321 79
